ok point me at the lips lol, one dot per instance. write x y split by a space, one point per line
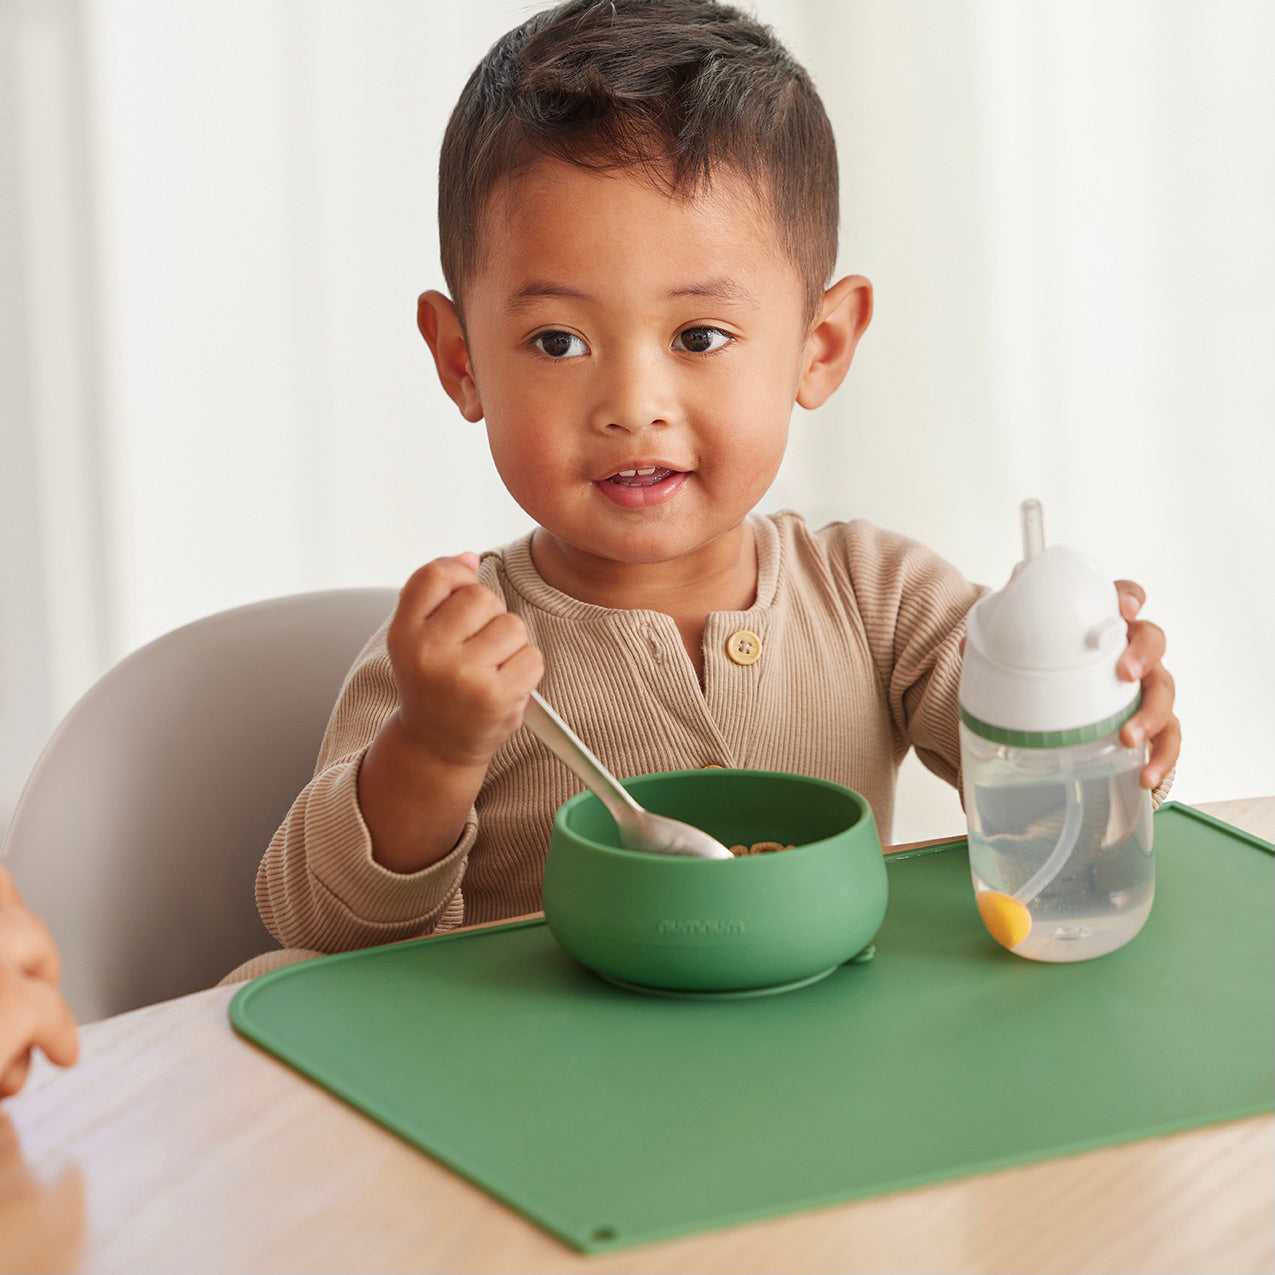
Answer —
642 484
648 476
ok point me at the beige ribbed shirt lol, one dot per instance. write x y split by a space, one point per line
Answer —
859 661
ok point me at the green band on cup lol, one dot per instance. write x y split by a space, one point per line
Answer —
1052 738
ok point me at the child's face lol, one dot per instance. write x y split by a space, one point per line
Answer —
636 358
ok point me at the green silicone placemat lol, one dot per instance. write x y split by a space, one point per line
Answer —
613 1119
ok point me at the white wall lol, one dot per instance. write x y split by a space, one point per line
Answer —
1066 210
220 217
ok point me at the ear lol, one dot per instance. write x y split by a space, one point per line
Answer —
843 317
440 325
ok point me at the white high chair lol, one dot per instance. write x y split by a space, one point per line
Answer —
139 831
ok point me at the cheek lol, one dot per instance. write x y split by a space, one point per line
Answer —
753 417
514 416
513 450
526 450
765 457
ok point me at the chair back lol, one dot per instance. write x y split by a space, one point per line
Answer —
138 833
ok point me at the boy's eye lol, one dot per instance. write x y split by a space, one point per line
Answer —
560 345
701 340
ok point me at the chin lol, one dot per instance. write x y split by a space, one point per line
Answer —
655 549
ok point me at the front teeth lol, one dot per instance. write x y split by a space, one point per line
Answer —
636 473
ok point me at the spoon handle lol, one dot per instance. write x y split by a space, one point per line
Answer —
552 731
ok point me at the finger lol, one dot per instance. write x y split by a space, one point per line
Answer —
499 668
1131 596
15 1075
462 616
500 694
8 888
1165 748
524 669
425 597
1146 648
1155 711
27 946
34 1015
429 586
499 638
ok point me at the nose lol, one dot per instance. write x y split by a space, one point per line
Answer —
635 392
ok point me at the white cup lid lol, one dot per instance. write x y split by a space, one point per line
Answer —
1041 655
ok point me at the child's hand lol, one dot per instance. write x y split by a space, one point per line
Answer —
462 663
1154 719
32 1011
463 668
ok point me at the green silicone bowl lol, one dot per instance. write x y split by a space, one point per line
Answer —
748 925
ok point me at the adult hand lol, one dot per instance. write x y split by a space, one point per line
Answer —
32 1011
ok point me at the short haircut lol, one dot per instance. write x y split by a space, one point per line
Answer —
675 88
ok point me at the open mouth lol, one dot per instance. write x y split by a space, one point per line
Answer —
641 477
643 486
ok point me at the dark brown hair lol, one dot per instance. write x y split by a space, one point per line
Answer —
676 88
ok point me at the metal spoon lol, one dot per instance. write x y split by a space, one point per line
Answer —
640 829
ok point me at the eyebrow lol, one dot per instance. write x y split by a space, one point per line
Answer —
539 290
719 289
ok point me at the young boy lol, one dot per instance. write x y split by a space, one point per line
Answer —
638 217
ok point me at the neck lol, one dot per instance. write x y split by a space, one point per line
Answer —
721 576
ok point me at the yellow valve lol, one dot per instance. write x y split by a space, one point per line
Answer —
1007 920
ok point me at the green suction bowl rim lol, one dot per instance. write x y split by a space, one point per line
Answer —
864 824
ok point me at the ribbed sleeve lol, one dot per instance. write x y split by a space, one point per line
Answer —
913 606
318 885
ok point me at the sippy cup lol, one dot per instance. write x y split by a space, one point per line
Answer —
1059 827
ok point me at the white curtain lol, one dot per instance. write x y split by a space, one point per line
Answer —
216 219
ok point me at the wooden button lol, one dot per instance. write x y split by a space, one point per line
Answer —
744 647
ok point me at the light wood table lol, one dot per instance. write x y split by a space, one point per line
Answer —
176 1146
